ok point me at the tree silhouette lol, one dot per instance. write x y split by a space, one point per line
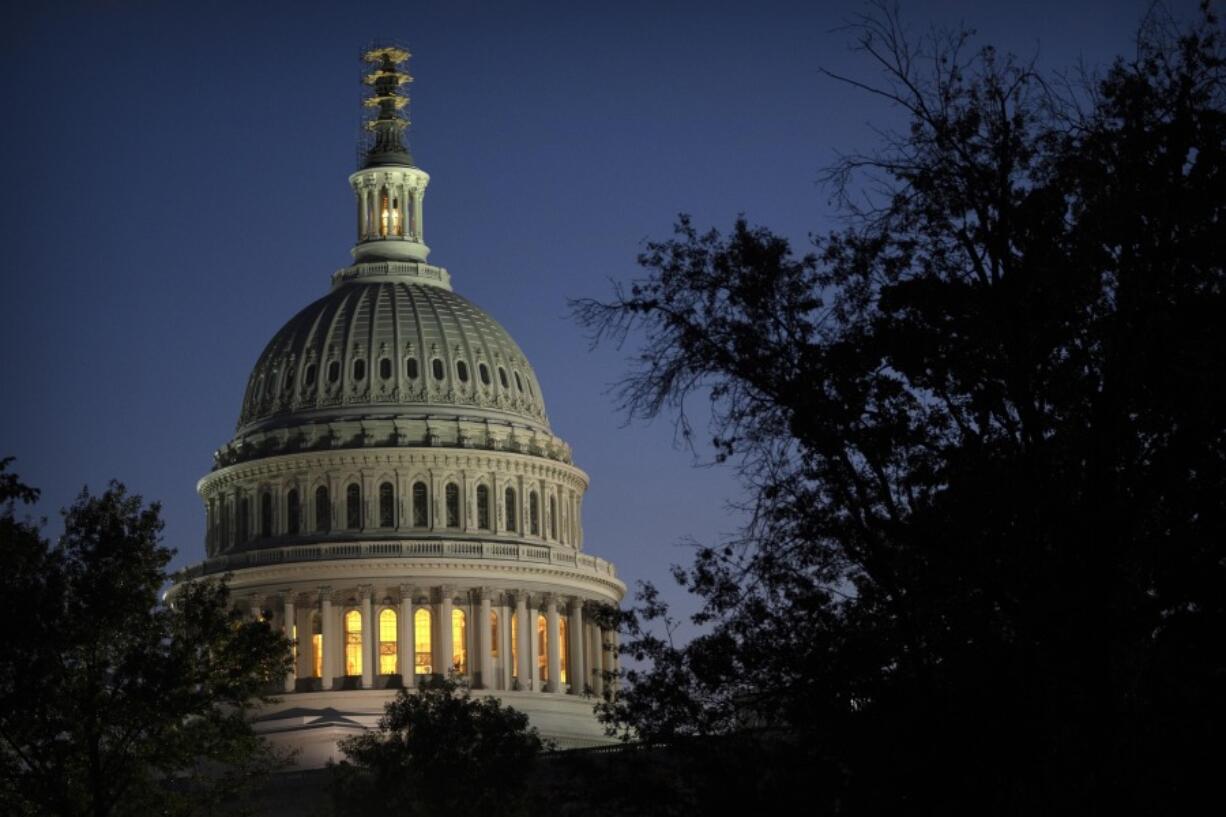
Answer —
982 433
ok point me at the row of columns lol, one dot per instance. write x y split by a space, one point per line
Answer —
408 210
591 649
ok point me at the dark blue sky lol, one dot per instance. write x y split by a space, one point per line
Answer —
175 189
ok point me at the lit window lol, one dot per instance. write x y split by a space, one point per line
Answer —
453 505
387 506
510 509
563 651
494 633
484 372
542 648
514 645
437 366
323 510
317 646
353 643
421 507
353 507
483 507
422 664
385 368
384 214
292 512
410 368
459 641
387 642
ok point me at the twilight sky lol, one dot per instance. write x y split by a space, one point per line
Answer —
175 189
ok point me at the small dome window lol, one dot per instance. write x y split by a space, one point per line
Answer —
461 370
385 368
519 384
484 372
437 366
334 371
359 369
502 376
309 376
410 368
288 383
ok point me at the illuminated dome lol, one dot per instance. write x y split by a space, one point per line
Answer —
394 500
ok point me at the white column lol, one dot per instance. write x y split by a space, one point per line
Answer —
325 621
417 226
552 641
288 616
574 630
404 636
444 653
523 649
486 681
368 637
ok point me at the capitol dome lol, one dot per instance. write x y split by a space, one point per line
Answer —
393 498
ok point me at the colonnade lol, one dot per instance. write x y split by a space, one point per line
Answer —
369 638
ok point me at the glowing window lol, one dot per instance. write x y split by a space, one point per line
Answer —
353 643
385 368
514 645
542 648
483 507
387 506
323 510
383 214
387 641
292 512
534 513
459 641
410 368
317 646
461 370
422 663
353 506
484 372
563 650
421 507
494 633
510 509
452 496
266 514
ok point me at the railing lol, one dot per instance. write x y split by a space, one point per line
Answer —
501 551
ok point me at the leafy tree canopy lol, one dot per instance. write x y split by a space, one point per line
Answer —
983 433
438 750
113 702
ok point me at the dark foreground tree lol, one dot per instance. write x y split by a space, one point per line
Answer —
111 701
983 431
438 750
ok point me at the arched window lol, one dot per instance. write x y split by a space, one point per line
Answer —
334 371
484 372
514 645
502 377
494 633
410 368
510 510
353 643
483 507
387 641
542 648
422 664
461 370
244 519
534 514
353 507
553 518
387 506
266 514
359 369
452 496
436 366
292 511
563 649
323 510
317 646
385 368
421 505
459 641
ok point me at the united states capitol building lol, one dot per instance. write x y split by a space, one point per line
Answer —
393 498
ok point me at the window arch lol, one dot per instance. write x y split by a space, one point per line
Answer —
387 506
459 641
323 510
317 646
353 643
353 506
387 641
483 507
266 514
542 648
436 366
410 368
553 518
534 514
510 510
422 664
461 370
421 505
292 512
452 497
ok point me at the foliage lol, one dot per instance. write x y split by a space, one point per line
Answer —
111 701
983 432
438 750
